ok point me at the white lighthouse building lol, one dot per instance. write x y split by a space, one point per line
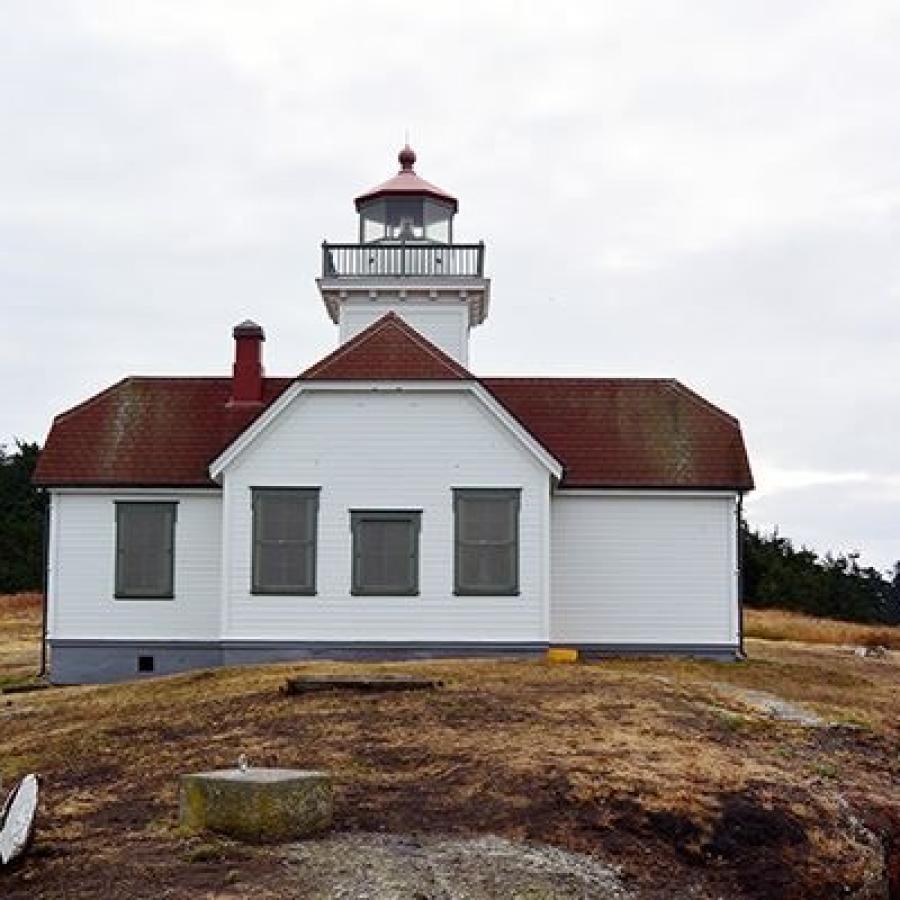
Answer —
387 501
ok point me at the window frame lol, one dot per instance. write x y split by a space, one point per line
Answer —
357 516
460 494
122 592
308 493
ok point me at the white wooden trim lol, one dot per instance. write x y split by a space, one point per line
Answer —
52 545
537 449
546 563
225 564
236 447
734 552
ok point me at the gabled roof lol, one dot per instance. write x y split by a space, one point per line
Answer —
391 350
607 432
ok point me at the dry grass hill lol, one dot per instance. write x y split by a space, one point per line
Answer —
678 772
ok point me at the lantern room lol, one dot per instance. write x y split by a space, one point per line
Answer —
406 209
406 262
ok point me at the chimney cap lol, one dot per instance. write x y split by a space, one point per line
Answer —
248 329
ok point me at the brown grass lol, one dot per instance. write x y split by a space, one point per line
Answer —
778 625
641 762
20 635
28 604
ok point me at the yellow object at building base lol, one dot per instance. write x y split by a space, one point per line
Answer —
562 655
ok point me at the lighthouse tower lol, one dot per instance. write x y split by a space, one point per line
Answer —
406 262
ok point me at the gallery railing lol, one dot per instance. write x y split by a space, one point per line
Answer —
402 260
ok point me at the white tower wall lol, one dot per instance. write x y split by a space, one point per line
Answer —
445 324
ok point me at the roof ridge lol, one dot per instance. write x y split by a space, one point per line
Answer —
194 378
674 383
177 377
627 379
131 379
390 318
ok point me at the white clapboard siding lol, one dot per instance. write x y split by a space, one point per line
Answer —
445 324
643 570
387 450
82 570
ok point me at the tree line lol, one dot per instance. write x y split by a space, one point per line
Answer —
775 572
21 520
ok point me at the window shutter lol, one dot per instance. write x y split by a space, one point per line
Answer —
284 540
385 552
487 541
145 549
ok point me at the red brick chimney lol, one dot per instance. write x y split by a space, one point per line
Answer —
247 374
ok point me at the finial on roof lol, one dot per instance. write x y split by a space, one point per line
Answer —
407 157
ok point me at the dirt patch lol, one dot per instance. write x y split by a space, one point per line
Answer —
770 838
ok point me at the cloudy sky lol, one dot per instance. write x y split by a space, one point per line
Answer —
704 190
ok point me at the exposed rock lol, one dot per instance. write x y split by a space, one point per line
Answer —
771 705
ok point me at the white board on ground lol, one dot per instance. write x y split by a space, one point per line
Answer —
17 820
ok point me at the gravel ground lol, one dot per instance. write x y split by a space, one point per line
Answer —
403 867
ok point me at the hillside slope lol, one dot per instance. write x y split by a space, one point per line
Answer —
663 768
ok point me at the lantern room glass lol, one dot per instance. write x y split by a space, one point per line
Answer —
371 222
406 219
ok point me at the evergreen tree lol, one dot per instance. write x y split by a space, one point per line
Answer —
778 575
21 521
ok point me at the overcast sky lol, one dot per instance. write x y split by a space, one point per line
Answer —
707 191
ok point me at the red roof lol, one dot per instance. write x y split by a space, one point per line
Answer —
406 182
388 349
165 432
148 432
629 432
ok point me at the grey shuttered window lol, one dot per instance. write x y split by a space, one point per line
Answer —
486 541
145 550
385 551
284 540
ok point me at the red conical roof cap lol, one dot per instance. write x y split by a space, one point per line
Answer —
406 183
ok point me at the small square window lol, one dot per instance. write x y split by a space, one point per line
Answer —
146 664
386 552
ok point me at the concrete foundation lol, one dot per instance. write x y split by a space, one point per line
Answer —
86 661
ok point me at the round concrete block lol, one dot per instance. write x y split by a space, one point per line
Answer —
257 804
